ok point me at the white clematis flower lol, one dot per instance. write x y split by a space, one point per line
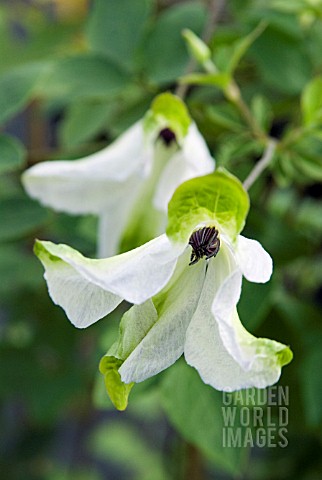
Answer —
185 287
129 183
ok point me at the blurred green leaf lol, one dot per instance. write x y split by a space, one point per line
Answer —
224 115
164 53
262 111
195 410
18 269
235 148
82 76
241 46
307 156
126 447
294 6
309 165
17 88
19 217
82 121
30 35
255 303
12 154
115 28
281 60
309 217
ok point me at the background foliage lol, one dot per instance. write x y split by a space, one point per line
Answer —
75 74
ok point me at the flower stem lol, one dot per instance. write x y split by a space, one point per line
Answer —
261 164
233 94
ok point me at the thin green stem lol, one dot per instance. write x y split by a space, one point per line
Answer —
233 94
261 164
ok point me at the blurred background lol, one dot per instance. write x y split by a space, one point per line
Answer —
74 74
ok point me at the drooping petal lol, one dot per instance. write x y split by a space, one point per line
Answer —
255 263
206 351
157 329
192 160
83 301
134 276
92 184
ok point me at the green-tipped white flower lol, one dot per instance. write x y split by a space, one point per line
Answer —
129 183
185 286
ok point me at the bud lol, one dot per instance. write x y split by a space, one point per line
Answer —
199 50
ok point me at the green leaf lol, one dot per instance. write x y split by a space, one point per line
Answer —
311 380
82 121
311 102
262 111
12 154
241 46
309 217
282 60
220 79
165 55
115 28
117 390
80 76
19 217
168 111
255 303
128 447
309 165
217 198
17 87
225 116
19 270
195 409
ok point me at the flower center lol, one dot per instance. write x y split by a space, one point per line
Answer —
167 136
205 242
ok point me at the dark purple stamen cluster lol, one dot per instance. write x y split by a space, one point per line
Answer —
205 243
167 136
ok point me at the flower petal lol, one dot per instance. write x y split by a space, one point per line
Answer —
134 276
192 160
255 263
91 184
160 343
83 302
206 351
112 222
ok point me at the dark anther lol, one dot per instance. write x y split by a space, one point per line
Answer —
167 136
205 243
